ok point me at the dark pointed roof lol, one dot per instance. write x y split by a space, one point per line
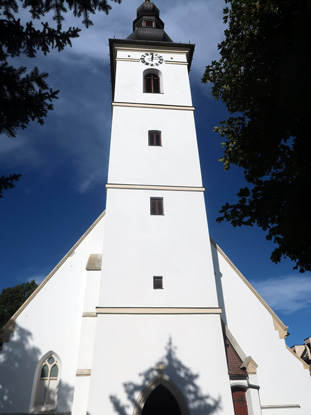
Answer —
148 25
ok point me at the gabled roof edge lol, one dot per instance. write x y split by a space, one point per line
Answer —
305 365
238 349
278 323
9 326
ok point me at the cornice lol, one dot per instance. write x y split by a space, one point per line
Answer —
158 310
153 106
154 187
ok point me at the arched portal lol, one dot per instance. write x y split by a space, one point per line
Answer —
161 397
161 401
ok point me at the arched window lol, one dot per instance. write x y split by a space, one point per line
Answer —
45 390
152 81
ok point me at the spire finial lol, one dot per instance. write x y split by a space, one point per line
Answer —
147 1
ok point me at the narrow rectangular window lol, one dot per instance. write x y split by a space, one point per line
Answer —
157 283
154 138
156 206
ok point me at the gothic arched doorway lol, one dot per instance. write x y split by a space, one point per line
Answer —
161 401
161 396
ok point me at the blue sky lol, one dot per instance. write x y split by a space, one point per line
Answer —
64 163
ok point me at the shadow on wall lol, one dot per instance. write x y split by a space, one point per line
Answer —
18 362
218 277
173 378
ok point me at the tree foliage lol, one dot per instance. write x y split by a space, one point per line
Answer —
12 298
263 77
7 182
25 95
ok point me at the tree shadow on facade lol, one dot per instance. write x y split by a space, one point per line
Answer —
18 362
170 389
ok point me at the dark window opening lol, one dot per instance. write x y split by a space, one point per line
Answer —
154 138
149 23
161 401
152 83
157 283
156 206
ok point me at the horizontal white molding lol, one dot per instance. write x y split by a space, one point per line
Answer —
83 372
89 314
158 310
138 60
152 187
154 106
294 405
149 48
27 413
176 62
128 59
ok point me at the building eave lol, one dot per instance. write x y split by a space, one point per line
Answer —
8 328
278 324
305 365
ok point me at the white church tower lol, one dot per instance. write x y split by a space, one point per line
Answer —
157 281
144 315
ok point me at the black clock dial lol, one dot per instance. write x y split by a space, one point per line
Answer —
151 59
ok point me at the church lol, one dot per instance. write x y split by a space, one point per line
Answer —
146 314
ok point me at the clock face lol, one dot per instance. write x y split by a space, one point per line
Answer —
151 59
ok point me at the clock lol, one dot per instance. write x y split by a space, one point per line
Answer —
151 59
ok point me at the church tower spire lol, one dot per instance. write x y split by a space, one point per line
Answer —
148 25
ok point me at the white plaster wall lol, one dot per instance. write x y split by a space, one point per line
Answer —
85 358
133 161
86 343
51 321
127 346
281 376
282 411
82 385
92 289
129 80
138 246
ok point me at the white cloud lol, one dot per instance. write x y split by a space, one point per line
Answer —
76 134
199 22
287 294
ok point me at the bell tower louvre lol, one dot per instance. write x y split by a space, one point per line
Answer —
152 317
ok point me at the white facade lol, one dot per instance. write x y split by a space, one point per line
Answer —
98 313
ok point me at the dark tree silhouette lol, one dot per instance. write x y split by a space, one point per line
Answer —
262 76
12 298
25 95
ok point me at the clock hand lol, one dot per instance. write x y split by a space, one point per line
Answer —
151 57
